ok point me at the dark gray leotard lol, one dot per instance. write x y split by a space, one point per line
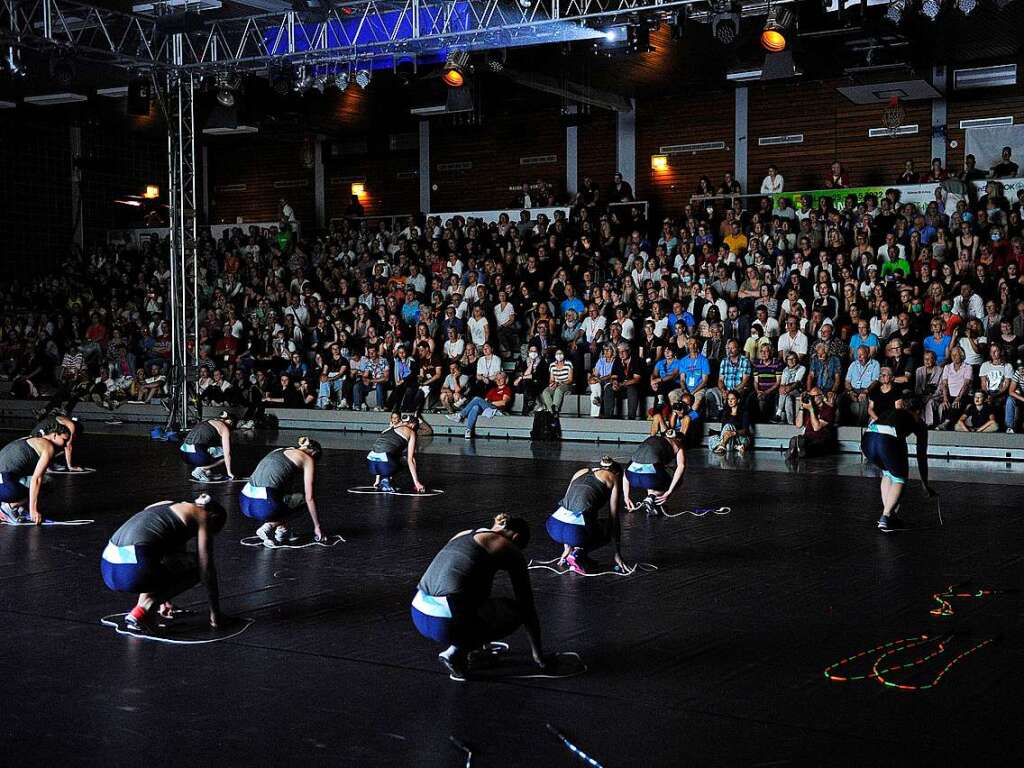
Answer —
654 450
203 434
463 569
18 459
586 494
274 471
156 527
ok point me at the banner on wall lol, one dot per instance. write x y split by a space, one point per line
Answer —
918 194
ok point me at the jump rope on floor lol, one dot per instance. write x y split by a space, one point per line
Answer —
884 657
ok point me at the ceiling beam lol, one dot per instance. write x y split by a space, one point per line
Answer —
575 92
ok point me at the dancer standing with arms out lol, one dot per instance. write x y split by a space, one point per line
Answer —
453 603
648 470
208 445
266 497
574 524
884 444
148 555
385 458
23 465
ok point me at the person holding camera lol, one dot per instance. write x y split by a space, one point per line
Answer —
817 418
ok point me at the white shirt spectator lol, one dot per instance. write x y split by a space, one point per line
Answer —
996 373
503 316
488 367
417 283
627 329
772 184
477 330
592 327
975 307
288 213
454 349
796 344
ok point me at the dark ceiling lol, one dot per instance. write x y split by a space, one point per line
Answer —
682 59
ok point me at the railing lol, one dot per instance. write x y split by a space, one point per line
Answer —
918 194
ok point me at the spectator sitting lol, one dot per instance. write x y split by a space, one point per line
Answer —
735 426
532 378
605 372
978 416
816 419
560 380
455 389
791 384
860 378
733 377
680 416
496 402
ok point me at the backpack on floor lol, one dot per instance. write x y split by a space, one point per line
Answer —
546 427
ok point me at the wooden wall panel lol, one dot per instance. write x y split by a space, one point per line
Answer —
494 149
597 144
683 119
35 192
390 182
833 128
249 175
972 107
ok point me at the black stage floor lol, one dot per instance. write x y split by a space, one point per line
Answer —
715 659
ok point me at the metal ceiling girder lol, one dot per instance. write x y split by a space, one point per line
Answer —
356 31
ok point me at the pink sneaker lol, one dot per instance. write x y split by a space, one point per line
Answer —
573 560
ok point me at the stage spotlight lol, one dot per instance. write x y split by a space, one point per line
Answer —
226 84
931 8
773 37
62 67
363 77
341 80
966 6
894 12
526 4
725 27
303 80
454 74
281 80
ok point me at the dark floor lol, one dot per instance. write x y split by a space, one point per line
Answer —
715 659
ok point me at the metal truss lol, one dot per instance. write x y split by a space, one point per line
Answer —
351 31
178 92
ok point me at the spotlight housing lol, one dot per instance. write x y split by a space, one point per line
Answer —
778 23
455 69
966 6
894 12
931 8
363 77
341 80
725 27
226 84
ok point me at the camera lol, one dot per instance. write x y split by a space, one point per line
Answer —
806 398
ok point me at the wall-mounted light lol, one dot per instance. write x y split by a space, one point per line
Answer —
659 163
358 188
152 192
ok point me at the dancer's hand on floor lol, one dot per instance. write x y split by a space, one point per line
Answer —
661 498
36 518
318 535
618 562
420 488
216 619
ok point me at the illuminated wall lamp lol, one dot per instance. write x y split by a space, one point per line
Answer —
358 189
659 163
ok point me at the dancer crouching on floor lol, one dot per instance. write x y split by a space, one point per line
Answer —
23 464
575 524
46 426
385 458
266 496
647 470
208 445
453 603
148 555
884 444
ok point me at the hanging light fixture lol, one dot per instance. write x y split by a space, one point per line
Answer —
773 37
341 80
455 69
363 77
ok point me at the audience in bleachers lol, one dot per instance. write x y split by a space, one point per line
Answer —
744 303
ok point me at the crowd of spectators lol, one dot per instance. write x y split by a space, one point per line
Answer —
746 308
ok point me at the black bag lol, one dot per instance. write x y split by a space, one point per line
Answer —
546 427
